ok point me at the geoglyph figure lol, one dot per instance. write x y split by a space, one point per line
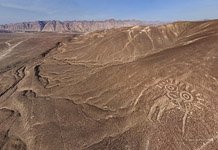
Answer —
177 95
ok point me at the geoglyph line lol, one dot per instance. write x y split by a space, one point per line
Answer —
176 95
211 140
147 32
9 45
6 52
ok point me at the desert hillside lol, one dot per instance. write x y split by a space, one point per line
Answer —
130 88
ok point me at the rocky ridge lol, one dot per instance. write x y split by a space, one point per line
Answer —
69 26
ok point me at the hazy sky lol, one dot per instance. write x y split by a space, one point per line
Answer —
147 10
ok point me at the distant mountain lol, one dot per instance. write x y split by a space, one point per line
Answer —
5 31
70 26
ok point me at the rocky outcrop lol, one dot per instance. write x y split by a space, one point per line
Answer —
69 26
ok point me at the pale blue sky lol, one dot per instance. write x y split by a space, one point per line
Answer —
148 10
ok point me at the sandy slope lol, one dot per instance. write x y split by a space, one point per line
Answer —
135 88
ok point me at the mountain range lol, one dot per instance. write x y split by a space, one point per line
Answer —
70 26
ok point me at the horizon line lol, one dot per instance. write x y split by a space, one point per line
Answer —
114 19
